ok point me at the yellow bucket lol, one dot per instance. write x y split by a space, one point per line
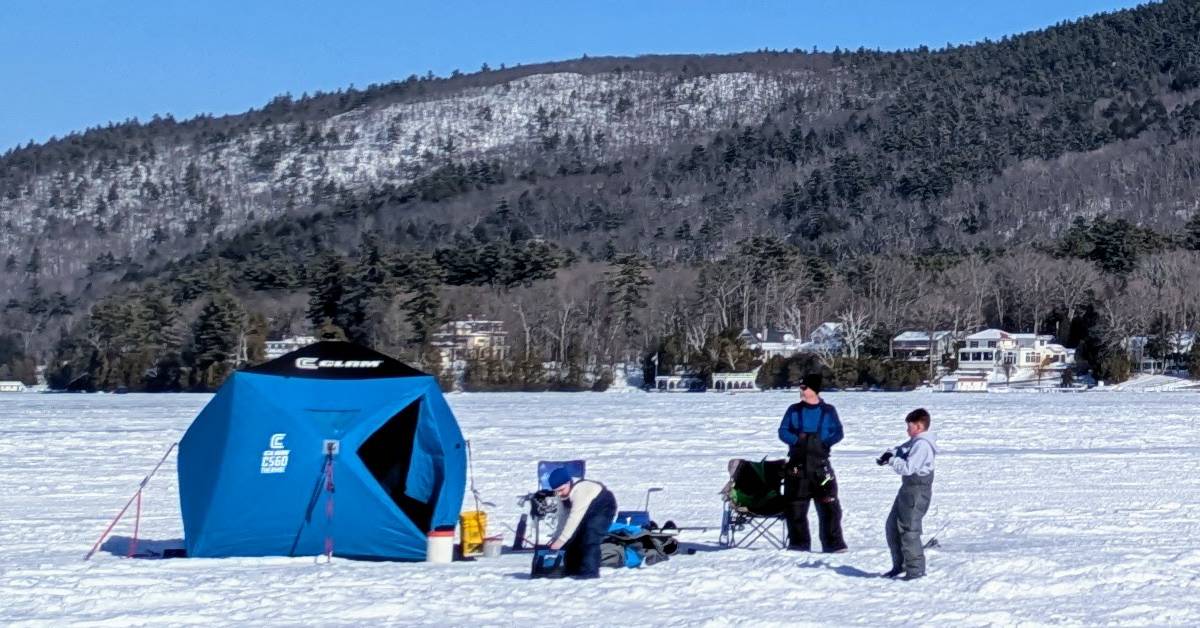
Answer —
473 525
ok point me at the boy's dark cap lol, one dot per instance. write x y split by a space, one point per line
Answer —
813 381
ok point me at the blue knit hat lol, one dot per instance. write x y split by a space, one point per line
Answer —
558 477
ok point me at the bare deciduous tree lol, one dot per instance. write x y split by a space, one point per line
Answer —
1073 282
1030 276
855 329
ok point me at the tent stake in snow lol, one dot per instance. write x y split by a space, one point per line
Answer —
137 496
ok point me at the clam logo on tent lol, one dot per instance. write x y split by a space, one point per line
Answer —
312 364
275 459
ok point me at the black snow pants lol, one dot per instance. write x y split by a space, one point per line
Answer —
810 477
582 551
904 524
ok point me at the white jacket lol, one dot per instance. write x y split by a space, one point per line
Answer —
582 494
915 457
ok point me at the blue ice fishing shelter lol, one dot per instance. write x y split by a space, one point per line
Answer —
332 421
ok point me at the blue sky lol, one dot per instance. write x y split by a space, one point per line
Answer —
66 66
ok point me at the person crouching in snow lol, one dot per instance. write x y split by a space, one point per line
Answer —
587 511
914 462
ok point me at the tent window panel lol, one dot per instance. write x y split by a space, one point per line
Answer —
388 455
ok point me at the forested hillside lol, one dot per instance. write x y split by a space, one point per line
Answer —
608 209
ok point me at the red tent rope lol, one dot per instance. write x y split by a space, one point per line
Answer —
137 523
137 496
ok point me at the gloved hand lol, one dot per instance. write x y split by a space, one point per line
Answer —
882 460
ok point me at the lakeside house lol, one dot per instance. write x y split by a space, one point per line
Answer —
913 346
827 337
277 348
12 387
722 382
717 382
771 342
994 358
678 383
1170 354
470 339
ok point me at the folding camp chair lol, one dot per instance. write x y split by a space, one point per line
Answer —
575 467
754 505
543 507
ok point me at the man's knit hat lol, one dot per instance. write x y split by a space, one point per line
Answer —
558 477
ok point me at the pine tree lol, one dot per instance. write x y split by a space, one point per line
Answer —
34 265
254 339
367 290
215 336
165 340
422 276
191 182
1191 233
326 289
627 287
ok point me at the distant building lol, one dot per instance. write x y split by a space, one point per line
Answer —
1174 350
470 340
828 336
11 387
913 346
722 382
993 357
276 348
772 342
678 383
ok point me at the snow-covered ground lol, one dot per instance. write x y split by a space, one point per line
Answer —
1057 509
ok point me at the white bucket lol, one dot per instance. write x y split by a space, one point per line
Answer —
493 546
440 546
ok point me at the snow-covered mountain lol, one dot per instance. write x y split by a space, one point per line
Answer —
133 189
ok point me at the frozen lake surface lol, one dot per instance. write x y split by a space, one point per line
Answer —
1056 509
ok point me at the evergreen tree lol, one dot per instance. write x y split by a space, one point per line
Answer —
1191 233
165 339
34 265
191 182
326 286
422 276
254 339
366 293
627 287
1193 361
215 336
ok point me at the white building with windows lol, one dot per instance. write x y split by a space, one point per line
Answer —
994 358
729 382
678 383
913 346
276 348
828 335
470 339
772 342
1172 352
12 387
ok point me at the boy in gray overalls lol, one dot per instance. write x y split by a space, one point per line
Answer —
914 462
